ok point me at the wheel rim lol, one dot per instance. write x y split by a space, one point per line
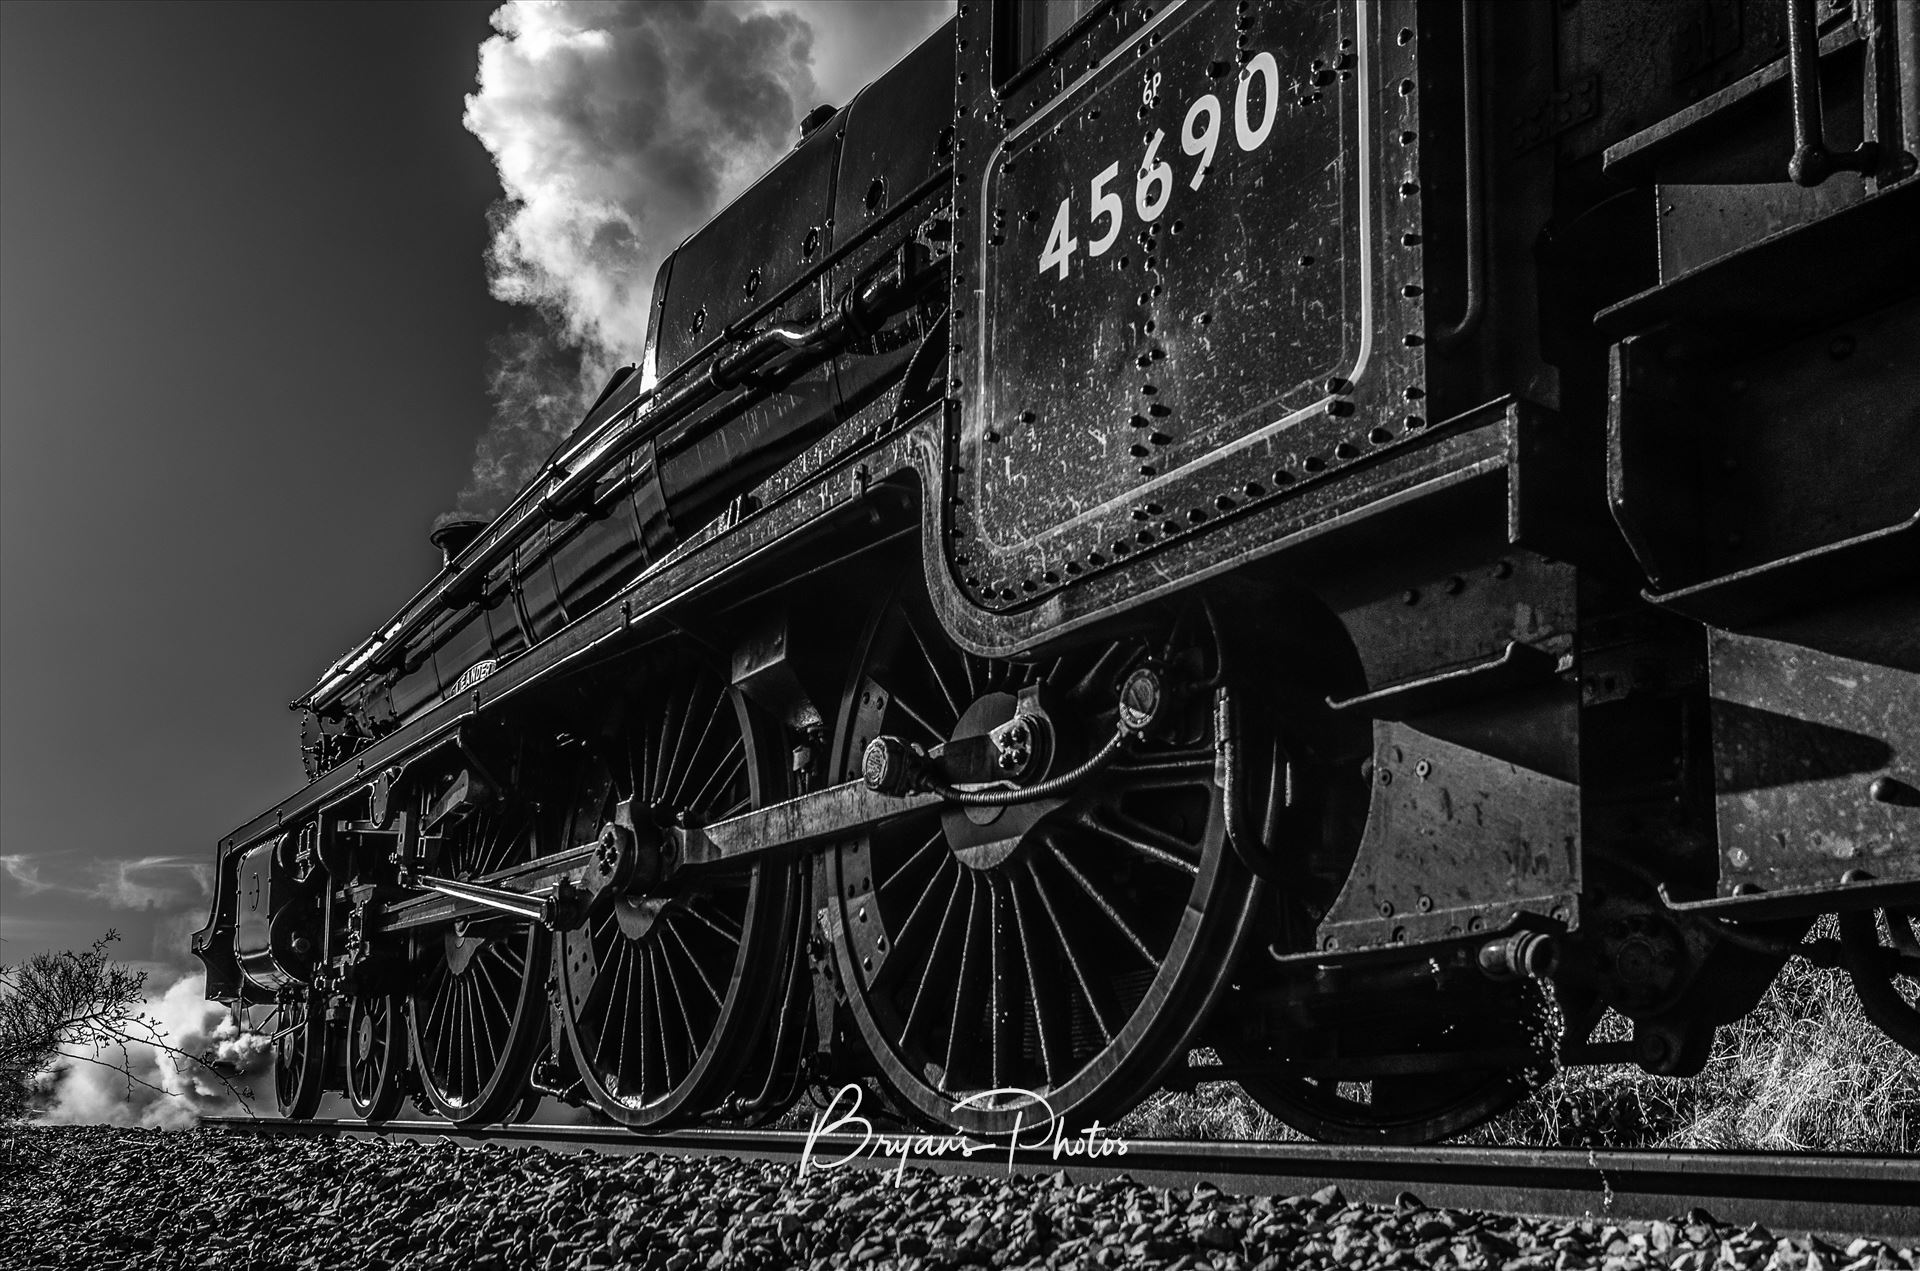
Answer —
1066 948
476 1015
376 1055
299 1059
663 996
1886 974
776 1069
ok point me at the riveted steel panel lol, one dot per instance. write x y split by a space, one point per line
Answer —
1085 365
1193 268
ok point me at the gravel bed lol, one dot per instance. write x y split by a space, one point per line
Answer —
102 1198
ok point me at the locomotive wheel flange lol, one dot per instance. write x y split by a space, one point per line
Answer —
476 1007
1063 949
376 1046
299 1056
668 990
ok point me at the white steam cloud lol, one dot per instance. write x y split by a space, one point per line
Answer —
618 129
167 1092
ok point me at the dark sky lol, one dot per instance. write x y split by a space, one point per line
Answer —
243 320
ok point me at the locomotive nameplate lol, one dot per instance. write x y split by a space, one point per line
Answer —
1171 271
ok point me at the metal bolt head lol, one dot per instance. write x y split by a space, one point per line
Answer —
886 766
1892 790
1140 699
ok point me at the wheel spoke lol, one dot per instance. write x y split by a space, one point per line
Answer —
1066 949
681 1010
933 957
483 996
1003 1006
1154 844
966 981
889 970
662 775
679 764
619 1020
933 670
718 926
693 961
1101 903
911 712
700 748
1053 1043
720 778
933 849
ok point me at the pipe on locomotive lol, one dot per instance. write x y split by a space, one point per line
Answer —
518 516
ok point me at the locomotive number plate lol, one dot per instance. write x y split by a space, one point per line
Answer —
1170 266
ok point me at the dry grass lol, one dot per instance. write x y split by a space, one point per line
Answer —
1805 1071
1216 1110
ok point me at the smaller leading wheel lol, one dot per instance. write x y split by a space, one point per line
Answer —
1408 1108
376 1055
1886 975
1349 1064
299 1056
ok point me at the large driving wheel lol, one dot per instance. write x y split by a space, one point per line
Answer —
376 1055
1066 947
299 1056
667 993
476 1015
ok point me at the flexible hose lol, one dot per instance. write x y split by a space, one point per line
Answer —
1046 789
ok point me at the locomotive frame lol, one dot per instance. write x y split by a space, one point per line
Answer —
1407 480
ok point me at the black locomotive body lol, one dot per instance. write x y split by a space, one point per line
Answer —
1300 529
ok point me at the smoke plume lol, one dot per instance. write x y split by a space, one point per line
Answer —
165 1091
618 129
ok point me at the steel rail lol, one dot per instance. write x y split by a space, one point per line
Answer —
1837 1194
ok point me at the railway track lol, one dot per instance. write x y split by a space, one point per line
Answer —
1820 1192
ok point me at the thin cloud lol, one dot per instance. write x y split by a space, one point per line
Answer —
148 882
22 870
152 881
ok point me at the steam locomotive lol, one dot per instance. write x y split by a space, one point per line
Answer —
1320 544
